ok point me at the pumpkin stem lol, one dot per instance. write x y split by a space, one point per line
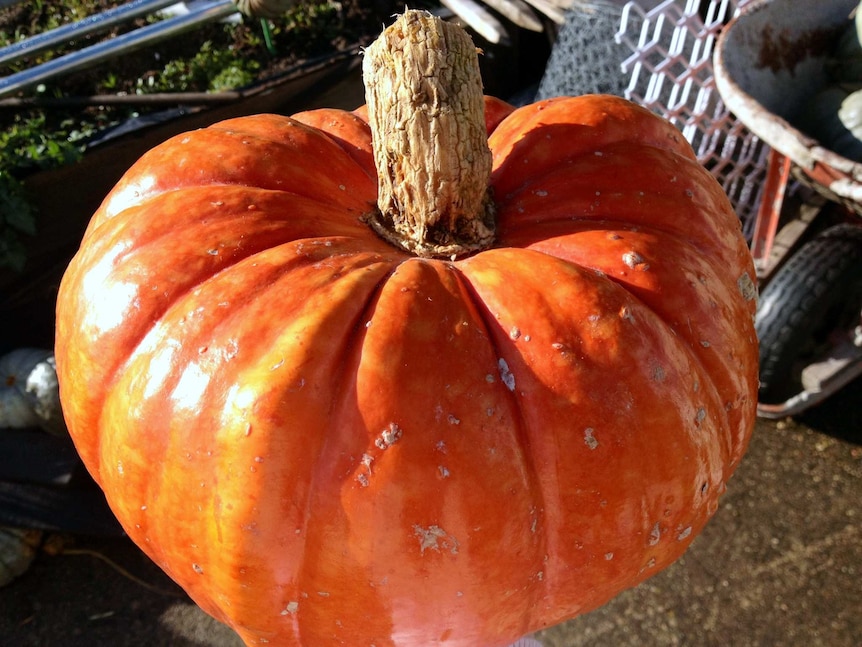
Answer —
427 116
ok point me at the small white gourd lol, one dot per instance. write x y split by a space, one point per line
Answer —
29 391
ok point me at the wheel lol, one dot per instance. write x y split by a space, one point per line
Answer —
811 303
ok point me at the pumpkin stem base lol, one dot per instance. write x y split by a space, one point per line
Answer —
445 240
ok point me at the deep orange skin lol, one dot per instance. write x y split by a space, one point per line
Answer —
326 441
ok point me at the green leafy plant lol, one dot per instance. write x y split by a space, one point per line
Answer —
211 69
31 142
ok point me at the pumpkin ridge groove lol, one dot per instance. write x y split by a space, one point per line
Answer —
496 338
689 344
349 362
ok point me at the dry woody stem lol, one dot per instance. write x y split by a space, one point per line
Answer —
426 111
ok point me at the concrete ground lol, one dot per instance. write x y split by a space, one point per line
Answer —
779 565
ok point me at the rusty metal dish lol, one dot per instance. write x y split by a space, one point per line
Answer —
768 61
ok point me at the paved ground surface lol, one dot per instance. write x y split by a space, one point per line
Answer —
780 565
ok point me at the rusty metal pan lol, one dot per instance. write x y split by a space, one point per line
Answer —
768 61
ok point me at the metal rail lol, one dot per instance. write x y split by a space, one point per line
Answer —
77 30
199 13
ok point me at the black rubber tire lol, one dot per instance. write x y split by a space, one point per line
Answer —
816 294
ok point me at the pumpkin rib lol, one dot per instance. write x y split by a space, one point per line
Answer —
631 265
345 329
528 140
350 131
217 155
689 434
522 448
303 581
354 142
256 212
421 278
153 227
282 279
586 187
340 392
496 110
661 299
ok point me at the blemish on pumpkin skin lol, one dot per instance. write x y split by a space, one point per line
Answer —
590 439
277 365
505 374
435 538
438 412
655 535
747 288
626 314
534 525
363 478
389 436
635 261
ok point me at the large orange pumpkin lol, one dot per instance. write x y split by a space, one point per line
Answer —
329 440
